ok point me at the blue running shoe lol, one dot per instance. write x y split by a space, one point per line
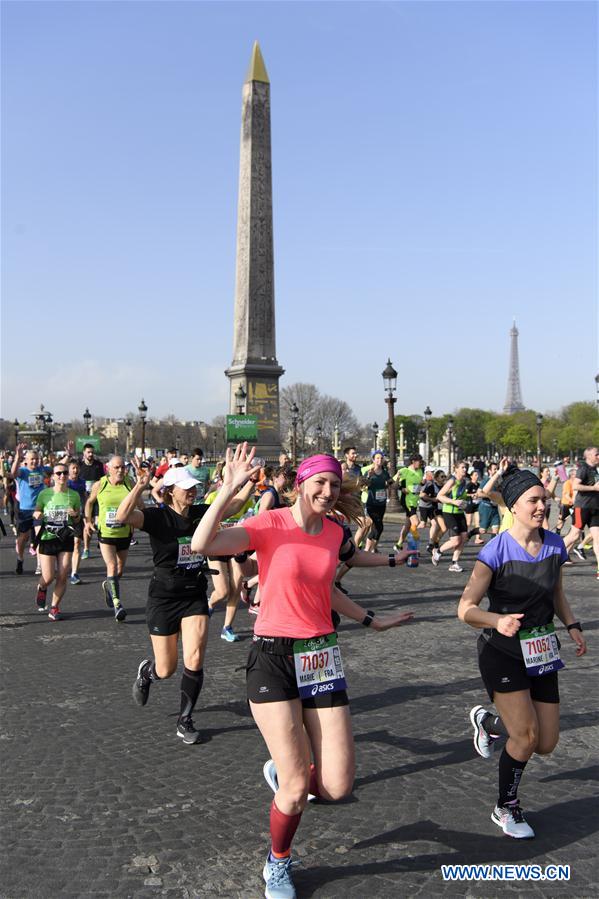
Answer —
75 579
229 635
277 875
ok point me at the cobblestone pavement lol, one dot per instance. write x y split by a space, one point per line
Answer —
100 798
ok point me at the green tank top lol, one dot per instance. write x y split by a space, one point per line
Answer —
458 491
109 498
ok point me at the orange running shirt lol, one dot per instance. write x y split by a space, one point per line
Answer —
296 574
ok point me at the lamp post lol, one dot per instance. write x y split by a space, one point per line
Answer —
128 436
427 427
49 421
143 411
336 444
375 435
294 421
240 398
16 424
390 382
449 445
401 445
87 419
318 437
539 432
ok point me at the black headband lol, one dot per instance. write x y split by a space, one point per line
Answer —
516 484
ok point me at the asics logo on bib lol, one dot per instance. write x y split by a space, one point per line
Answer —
323 688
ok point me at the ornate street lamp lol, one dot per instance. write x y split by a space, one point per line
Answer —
375 435
49 421
294 420
143 411
128 424
318 437
450 445
390 382
539 433
240 398
427 427
87 419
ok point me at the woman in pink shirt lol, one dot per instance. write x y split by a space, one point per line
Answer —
295 680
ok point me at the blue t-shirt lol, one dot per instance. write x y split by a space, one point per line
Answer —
522 583
30 483
79 486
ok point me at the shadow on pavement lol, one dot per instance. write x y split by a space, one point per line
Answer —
557 826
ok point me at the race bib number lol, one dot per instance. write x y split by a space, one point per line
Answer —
318 666
187 559
35 479
380 496
88 486
56 516
540 650
111 519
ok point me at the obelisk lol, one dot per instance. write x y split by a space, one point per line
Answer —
254 366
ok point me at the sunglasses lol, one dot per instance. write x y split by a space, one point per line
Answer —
65 473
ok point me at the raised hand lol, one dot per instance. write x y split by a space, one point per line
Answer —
144 475
238 466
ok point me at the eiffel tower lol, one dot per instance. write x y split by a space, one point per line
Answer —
513 397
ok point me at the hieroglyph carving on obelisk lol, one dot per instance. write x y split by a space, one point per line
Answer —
254 366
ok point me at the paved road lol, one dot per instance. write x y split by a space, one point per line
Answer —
101 799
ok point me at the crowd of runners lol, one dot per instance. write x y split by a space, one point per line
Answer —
279 541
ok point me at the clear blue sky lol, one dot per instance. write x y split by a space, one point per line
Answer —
434 176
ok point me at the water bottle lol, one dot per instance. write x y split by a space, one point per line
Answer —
412 545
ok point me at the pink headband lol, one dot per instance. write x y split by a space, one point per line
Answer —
317 465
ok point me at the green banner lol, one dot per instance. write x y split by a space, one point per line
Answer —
91 438
242 427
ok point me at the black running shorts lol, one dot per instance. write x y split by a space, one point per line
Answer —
55 546
164 614
25 521
502 673
427 514
270 677
119 543
455 523
585 518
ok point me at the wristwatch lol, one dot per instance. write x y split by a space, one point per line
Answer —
367 620
575 624
392 560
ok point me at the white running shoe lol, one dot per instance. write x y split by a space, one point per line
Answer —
512 822
483 743
436 557
455 567
270 776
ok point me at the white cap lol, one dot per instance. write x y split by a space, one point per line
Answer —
174 461
179 477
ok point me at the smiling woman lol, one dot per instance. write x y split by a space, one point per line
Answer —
519 653
295 680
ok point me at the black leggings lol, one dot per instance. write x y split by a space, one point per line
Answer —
376 513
